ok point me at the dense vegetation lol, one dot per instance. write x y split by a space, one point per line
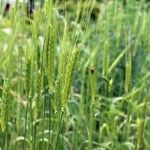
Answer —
76 76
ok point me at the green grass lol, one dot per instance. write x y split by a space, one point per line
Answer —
76 77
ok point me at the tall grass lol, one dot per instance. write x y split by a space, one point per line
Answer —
76 76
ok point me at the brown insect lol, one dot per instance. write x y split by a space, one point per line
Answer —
91 69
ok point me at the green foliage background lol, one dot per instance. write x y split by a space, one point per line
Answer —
77 76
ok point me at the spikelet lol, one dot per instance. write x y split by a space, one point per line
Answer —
38 98
28 77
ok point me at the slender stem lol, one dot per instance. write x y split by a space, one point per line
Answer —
59 130
34 137
50 111
25 127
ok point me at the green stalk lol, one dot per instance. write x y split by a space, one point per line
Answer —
105 59
5 114
46 92
5 107
128 74
128 71
92 105
59 128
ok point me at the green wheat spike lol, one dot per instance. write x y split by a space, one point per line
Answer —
69 76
